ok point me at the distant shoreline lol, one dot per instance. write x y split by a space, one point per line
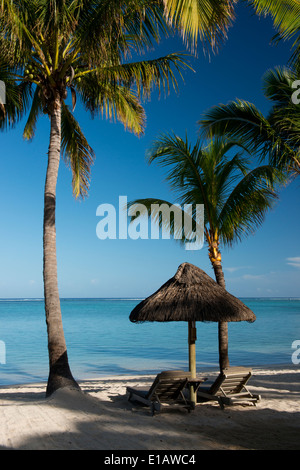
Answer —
205 369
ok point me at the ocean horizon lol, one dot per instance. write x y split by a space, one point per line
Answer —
139 298
101 341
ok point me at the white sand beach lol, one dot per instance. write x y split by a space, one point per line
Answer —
102 418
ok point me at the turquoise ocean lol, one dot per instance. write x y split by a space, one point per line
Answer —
101 341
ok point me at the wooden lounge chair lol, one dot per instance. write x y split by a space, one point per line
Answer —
229 388
166 390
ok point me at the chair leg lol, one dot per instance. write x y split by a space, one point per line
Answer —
221 403
155 407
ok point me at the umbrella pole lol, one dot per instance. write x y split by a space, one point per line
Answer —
192 357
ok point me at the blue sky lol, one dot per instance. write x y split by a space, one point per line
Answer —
265 264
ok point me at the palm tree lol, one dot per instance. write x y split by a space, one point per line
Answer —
81 47
275 137
235 197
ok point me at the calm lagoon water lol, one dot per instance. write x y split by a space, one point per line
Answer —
102 341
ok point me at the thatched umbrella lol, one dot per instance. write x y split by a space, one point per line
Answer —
191 295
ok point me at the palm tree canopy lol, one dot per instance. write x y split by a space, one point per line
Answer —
83 48
235 197
276 136
209 20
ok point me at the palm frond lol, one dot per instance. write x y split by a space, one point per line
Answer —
182 223
17 98
277 85
285 14
178 157
114 101
77 152
35 111
190 171
206 20
245 209
20 23
112 28
243 121
147 75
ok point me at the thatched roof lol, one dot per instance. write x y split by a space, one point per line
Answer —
191 295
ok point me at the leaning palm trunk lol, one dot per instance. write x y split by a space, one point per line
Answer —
79 47
59 373
215 258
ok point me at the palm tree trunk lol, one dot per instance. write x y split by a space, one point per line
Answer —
215 258
59 372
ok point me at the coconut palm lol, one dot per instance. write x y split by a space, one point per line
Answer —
83 46
80 48
275 137
235 197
